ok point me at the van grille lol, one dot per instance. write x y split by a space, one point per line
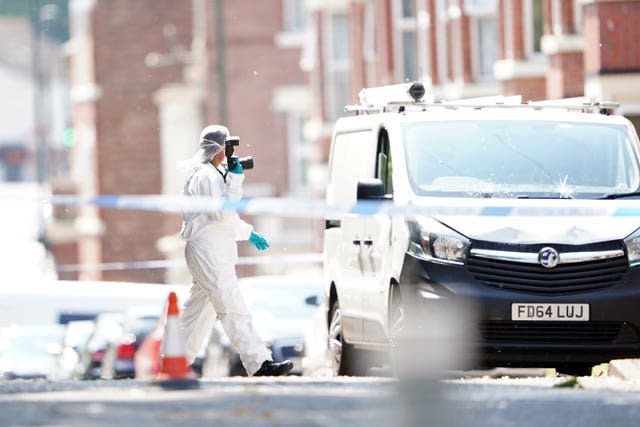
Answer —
544 333
534 278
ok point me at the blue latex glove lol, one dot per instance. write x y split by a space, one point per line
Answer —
258 241
238 169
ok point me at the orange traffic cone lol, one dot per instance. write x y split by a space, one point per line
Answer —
174 369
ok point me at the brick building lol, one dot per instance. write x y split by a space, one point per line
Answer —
540 49
612 54
146 76
115 121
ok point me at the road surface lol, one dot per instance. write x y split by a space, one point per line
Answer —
294 401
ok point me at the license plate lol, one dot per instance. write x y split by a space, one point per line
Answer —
555 312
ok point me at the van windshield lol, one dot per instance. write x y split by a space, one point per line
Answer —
520 159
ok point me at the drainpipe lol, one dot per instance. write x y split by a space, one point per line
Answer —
221 64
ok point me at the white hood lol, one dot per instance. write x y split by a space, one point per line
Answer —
555 229
561 221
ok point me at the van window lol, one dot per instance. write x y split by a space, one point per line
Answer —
352 159
520 159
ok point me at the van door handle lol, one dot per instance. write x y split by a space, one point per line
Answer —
356 242
368 242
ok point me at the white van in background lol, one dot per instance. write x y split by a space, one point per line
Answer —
549 289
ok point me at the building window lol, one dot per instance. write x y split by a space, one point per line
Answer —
409 60
577 15
484 27
479 7
300 155
533 18
538 24
294 16
408 9
406 40
337 64
442 41
411 40
369 44
486 48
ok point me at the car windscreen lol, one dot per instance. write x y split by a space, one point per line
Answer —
285 301
520 158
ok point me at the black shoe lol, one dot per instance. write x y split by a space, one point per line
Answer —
196 370
273 369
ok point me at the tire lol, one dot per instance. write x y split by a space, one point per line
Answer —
397 319
341 353
397 316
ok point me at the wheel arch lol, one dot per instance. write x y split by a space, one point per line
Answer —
394 286
333 297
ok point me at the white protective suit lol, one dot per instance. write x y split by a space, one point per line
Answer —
211 254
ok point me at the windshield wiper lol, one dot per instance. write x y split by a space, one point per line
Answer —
620 195
560 196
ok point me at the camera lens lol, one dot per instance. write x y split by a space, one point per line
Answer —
247 162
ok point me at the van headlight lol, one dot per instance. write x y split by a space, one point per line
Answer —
432 241
632 244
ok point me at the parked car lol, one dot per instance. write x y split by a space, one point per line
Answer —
36 302
316 361
502 197
282 307
119 356
108 328
77 333
29 352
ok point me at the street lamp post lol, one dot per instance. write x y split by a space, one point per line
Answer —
38 119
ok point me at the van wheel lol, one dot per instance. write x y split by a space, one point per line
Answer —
397 323
397 317
341 353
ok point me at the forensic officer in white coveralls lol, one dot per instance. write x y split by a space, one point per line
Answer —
211 254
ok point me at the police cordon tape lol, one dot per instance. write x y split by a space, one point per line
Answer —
156 264
319 209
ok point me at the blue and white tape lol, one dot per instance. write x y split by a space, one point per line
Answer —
297 208
319 209
311 258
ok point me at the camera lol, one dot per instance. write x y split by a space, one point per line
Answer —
230 143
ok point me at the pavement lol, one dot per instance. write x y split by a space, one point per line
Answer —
625 369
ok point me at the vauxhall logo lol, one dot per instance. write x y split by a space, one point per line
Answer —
548 257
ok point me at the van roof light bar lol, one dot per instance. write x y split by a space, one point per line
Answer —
405 96
590 106
400 93
580 103
380 98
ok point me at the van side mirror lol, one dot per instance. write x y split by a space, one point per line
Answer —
371 189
